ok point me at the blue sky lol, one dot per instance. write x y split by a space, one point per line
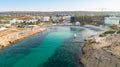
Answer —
59 5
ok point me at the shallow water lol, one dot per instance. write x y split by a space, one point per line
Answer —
53 48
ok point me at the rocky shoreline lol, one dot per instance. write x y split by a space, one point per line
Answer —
105 53
17 35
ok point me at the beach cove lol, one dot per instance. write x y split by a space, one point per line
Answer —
54 47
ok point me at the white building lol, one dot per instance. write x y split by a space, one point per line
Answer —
3 28
66 18
77 23
112 20
56 19
16 21
46 19
32 20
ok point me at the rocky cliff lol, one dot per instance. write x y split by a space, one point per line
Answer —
105 53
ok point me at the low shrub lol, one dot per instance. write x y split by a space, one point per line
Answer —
101 35
118 32
109 32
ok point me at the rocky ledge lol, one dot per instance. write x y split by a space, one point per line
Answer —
105 53
13 37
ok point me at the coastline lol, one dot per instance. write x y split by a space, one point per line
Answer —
9 39
106 53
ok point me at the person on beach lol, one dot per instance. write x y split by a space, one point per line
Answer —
75 36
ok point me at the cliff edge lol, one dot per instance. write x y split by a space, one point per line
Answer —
105 53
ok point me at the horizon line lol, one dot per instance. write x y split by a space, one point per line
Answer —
61 11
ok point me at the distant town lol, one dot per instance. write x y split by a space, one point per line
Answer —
24 19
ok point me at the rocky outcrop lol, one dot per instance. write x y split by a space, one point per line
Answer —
105 53
13 37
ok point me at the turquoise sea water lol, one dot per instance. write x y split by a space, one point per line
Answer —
53 48
32 52
47 48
